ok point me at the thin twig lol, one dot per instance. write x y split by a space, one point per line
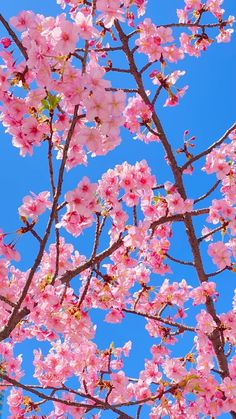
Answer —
139 411
209 149
182 262
155 97
161 186
67 276
102 49
186 25
147 65
212 189
10 303
218 272
116 69
117 89
161 320
135 217
223 226
35 234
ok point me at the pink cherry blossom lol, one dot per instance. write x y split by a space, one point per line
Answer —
220 254
35 205
6 42
85 27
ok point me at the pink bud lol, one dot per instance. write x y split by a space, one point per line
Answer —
153 74
6 42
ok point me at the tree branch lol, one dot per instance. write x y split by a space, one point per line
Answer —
161 320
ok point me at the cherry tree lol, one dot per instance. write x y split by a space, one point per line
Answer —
59 100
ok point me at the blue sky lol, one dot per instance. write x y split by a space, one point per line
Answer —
207 110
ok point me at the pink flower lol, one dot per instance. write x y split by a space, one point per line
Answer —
228 387
200 294
225 35
193 4
64 36
206 324
174 369
9 251
6 42
35 205
220 254
165 34
33 130
85 26
15 399
114 316
111 10
22 21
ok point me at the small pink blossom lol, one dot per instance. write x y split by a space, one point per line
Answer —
35 205
220 254
206 324
114 316
6 42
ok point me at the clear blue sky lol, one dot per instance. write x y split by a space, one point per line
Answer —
207 110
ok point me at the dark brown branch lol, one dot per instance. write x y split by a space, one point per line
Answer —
223 226
180 326
97 259
99 403
187 25
94 5
84 61
74 54
212 189
155 97
182 262
147 65
5 300
118 70
61 206
135 217
35 234
105 49
194 25
139 411
178 217
117 89
218 272
152 130
162 309
161 186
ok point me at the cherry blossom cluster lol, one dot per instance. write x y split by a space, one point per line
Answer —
197 8
35 205
187 374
